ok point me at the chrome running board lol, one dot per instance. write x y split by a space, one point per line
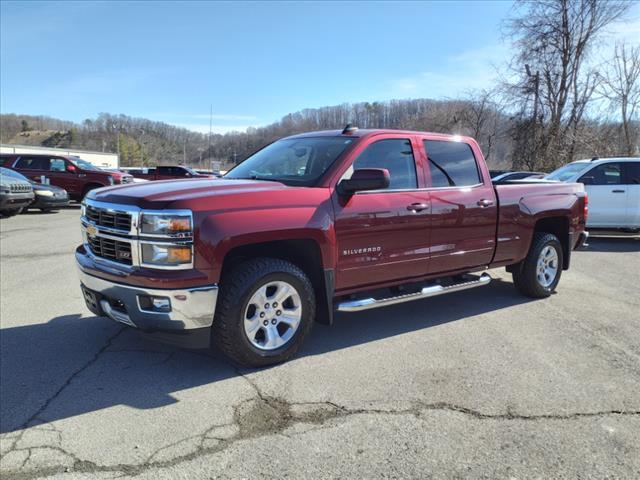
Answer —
426 292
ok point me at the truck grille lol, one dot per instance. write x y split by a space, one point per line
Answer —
127 179
106 218
114 250
20 188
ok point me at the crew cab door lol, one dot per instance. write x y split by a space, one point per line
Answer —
464 210
607 193
383 235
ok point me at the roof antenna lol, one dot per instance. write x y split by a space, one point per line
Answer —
594 159
349 129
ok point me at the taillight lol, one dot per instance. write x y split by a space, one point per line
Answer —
586 206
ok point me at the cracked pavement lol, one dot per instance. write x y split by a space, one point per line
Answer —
480 384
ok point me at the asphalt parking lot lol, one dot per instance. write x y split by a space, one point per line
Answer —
479 384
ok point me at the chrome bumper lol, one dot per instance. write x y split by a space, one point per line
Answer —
189 309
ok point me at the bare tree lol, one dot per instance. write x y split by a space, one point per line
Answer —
621 86
553 84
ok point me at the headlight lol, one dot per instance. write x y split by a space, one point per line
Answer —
165 224
43 193
166 255
111 180
5 189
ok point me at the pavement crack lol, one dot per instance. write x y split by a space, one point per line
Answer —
67 382
266 416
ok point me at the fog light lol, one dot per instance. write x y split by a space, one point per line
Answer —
154 304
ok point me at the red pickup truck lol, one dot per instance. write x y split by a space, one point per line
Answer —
312 224
169 172
75 175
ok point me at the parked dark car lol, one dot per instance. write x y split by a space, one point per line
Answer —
75 175
15 194
508 176
47 197
168 172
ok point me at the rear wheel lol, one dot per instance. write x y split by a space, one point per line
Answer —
539 273
265 310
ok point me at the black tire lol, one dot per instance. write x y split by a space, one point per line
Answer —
88 188
237 288
12 212
525 274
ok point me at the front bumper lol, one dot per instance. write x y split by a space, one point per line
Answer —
187 323
49 202
15 200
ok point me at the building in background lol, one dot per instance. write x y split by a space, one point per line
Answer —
99 159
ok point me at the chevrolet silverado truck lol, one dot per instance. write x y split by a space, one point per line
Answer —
344 221
73 174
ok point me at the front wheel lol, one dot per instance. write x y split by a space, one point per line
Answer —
539 273
265 310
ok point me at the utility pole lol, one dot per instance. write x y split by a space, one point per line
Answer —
184 152
210 128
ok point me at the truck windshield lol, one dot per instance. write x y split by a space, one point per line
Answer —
83 164
565 173
294 161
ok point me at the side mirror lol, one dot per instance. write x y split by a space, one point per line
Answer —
587 180
71 168
365 179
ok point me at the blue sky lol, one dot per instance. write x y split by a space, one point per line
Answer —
255 62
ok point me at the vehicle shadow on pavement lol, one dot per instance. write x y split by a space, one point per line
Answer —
368 326
74 365
613 244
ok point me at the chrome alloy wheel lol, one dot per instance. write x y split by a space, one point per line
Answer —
272 315
547 268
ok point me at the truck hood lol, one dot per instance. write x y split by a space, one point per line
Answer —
161 194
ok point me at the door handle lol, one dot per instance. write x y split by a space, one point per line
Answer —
417 207
484 203
617 191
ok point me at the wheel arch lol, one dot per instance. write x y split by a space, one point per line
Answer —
305 253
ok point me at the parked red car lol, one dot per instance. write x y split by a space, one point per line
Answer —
169 172
316 223
78 177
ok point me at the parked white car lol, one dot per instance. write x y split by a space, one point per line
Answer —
613 186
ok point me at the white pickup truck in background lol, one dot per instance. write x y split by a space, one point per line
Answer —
613 189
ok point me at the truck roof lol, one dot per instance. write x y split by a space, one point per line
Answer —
367 132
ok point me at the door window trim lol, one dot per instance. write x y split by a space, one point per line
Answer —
408 138
429 178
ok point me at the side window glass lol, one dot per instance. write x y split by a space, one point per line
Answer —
56 165
31 163
396 155
633 173
451 164
605 174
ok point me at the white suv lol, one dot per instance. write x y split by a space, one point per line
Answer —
613 186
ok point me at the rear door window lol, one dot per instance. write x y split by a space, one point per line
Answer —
605 174
33 163
394 154
451 164
632 176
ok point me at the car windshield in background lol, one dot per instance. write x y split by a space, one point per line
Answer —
565 173
83 164
295 161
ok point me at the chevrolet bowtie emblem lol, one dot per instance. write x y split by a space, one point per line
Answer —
91 230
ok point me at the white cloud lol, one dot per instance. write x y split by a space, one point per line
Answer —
469 70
